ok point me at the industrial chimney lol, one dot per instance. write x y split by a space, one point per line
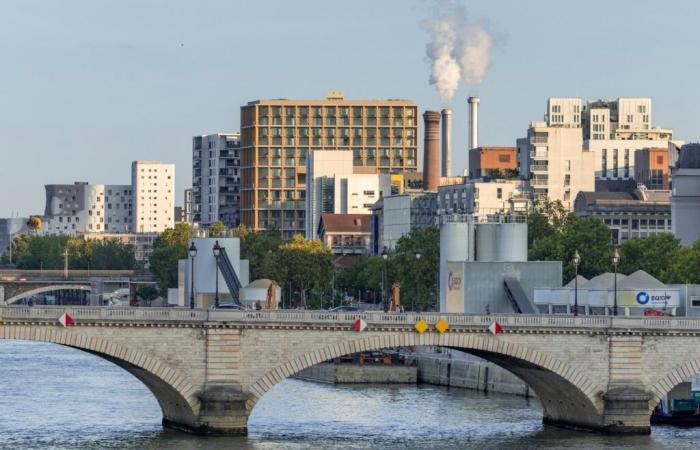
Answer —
473 122
446 142
431 151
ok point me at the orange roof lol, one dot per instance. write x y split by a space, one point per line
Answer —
355 223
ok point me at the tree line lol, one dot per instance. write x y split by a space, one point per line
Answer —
554 235
36 252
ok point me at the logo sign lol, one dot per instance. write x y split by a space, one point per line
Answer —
66 320
644 298
454 281
359 325
495 328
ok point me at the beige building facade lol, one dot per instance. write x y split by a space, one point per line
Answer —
277 135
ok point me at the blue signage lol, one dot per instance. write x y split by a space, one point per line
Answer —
642 298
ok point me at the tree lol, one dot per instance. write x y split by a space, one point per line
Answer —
168 249
589 235
259 249
684 265
538 227
418 277
111 254
652 254
306 264
217 229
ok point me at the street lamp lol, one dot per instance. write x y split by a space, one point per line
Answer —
576 260
193 253
385 256
615 262
418 256
217 252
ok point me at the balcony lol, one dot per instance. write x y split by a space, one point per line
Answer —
539 168
539 154
539 181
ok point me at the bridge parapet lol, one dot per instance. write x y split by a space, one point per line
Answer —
313 317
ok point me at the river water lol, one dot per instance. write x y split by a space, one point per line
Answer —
57 397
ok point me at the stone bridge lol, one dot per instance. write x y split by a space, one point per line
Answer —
16 285
208 369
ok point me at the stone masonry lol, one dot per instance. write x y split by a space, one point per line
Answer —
208 369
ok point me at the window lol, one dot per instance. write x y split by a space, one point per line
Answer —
499 193
504 158
659 159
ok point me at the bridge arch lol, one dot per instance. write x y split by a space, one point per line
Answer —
675 376
568 397
174 393
44 289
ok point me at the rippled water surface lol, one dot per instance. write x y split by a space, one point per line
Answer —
56 397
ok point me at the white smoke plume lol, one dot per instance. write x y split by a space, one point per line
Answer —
458 49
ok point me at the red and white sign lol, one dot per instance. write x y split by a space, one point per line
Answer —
359 325
495 328
66 320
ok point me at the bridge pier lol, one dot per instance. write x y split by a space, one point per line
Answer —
223 412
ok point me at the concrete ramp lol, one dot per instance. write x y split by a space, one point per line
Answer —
518 298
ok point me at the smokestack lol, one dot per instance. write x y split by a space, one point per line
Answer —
446 142
431 151
473 122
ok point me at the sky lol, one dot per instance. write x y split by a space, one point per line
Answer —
88 86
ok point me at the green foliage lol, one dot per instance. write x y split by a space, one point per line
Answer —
306 264
217 229
47 252
260 249
418 277
684 265
168 249
146 293
653 254
589 235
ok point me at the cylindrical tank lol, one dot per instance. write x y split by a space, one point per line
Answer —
501 242
431 151
446 142
486 250
511 242
456 244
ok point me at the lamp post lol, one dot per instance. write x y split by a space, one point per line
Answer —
193 253
217 252
418 256
385 256
576 260
615 262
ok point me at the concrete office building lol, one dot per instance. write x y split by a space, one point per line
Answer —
651 168
629 215
483 198
685 197
397 215
153 186
334 187
493 162
216 179
276 136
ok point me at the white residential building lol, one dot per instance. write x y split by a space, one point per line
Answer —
216 178
153 184
333 187
577 144
87 208
81 208
483 198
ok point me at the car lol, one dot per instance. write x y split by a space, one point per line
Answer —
344 309
228 306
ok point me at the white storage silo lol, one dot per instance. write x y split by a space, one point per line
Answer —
456 244
511 242
486 244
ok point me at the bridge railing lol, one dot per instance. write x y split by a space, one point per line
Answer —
129 314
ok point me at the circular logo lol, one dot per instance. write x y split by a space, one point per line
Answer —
642 298
449 281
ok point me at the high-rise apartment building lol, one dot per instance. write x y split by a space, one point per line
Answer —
277 135
153 184
577 144
651 168
492 162
216 178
